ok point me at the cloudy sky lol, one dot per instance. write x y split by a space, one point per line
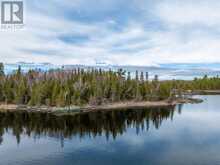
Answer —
134 32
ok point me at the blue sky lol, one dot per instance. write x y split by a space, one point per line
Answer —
134 32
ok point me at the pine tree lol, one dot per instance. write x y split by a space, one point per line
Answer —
2 73
65 88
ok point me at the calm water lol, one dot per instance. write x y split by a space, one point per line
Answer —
185 135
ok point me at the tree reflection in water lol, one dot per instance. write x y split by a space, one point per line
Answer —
108 123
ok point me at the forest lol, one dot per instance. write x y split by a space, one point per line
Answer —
91 87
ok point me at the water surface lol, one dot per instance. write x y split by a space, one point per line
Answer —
188 134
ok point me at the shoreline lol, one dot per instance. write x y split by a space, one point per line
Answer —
105 107
141 104
206 92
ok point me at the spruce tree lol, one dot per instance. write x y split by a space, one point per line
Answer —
2 73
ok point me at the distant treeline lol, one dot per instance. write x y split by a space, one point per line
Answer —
94 87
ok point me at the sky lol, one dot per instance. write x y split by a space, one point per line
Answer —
119 32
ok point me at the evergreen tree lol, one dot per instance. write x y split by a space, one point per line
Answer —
77 87
2 73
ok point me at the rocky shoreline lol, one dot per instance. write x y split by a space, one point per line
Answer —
89 108
206 92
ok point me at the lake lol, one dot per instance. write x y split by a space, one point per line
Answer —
187 134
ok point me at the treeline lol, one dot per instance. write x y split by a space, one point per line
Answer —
94 87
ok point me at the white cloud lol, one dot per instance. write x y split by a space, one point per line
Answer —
181 37
189 12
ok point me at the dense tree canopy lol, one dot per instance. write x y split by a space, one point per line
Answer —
94 87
